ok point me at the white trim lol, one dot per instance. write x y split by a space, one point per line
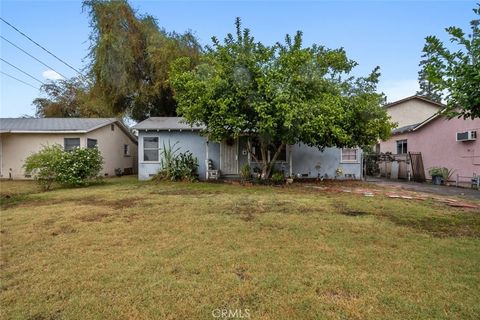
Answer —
357 156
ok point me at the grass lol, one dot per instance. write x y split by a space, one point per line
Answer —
133 250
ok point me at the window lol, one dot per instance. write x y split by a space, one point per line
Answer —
91 143
150 148
70 143
126 150
282 157
112 127
349 155
401 146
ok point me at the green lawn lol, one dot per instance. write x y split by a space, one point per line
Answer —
132 250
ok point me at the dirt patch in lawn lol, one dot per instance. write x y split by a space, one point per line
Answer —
441 227
184 192
113 204
64 229
248 209
343 209
94 217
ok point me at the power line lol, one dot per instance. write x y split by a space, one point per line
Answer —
43 48
28 84
26 73
46 65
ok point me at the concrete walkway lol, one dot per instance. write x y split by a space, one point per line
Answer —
428 188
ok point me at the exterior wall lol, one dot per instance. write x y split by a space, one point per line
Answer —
411 112
17 147
111 144
186 141
437 143
304 158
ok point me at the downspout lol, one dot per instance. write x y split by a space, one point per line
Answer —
206 160
290 157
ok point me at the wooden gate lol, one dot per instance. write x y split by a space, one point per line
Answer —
418 172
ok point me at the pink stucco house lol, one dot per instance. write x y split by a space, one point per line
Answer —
443 143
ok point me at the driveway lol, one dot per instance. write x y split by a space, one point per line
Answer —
428 188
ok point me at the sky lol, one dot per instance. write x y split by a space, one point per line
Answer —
389 34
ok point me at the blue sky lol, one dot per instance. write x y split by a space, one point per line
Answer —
389 34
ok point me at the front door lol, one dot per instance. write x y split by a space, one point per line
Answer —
229 156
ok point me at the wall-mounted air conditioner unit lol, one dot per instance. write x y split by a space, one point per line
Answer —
467 136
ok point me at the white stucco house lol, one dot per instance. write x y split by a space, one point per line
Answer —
20 137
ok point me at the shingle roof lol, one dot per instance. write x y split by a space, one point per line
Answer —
53 124
165 123
405 129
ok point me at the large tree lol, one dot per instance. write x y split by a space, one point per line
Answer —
130 59
66 98
279 95
427 88
456 71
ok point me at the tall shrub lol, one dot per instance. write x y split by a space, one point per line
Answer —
43 165
75 168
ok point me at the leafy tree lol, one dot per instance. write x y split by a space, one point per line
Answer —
427 88
64 99
456 71
130 59
279 95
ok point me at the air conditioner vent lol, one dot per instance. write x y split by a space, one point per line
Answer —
467 135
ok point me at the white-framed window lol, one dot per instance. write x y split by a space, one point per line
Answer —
71 143
349 155
92 143
126 150
150 149
402 147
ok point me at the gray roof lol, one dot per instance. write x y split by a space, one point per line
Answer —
59 125
165 123
53 124
405 129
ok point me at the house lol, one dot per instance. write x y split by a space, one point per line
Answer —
20 137
445 143
412 110
434 141
230 155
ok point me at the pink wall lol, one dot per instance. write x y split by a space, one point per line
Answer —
437 143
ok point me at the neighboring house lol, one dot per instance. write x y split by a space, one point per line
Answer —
20 137
443 143
412 110
230 155
422 129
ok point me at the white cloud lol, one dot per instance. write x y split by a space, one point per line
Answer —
51 75
398 89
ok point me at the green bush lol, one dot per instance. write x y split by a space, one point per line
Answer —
43 165
443 172
177 166
78 167
245 173
278 177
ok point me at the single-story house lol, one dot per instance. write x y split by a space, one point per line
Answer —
442 143
230 155
20 137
